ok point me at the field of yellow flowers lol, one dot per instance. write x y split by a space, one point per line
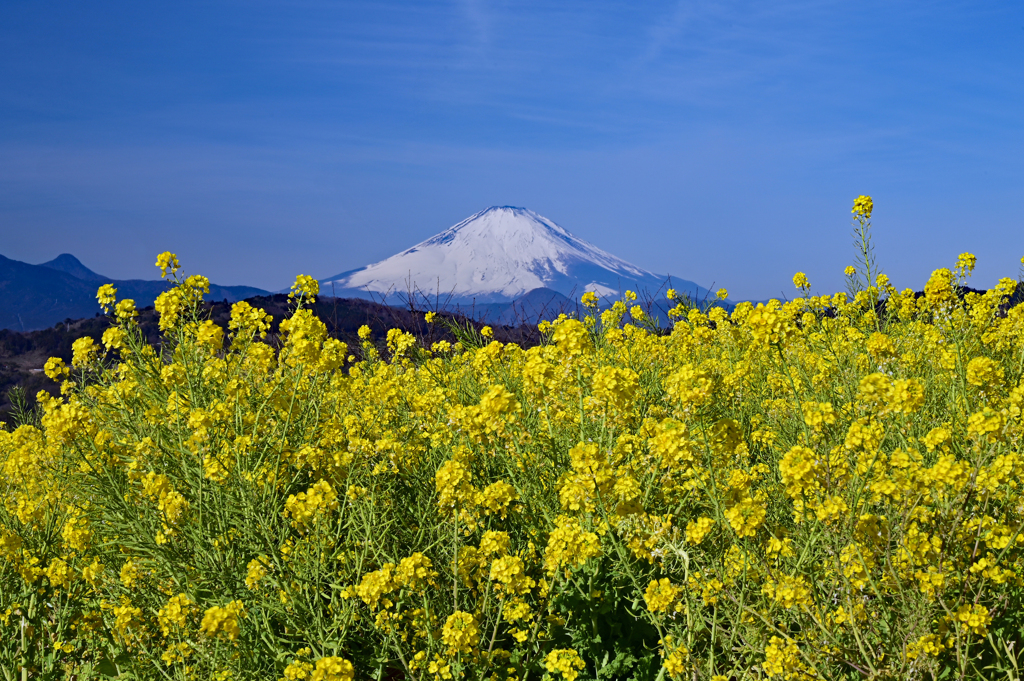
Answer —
822 489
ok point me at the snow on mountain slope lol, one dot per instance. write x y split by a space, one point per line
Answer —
499 255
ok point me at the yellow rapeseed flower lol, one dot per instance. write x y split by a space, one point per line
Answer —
106 295
661 595
460 632
333 669
566 662
305 289
222 621
167 261
862 206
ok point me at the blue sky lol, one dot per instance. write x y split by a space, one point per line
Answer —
722 142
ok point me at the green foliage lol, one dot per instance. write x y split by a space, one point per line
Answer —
823 489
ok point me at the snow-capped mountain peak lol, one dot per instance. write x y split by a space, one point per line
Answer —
498 254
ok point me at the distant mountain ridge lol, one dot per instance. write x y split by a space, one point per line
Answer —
497 256
39 296
69 264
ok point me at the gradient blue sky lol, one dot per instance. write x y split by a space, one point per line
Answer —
721 142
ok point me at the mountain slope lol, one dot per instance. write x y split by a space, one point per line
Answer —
34 297
69 264
39 296
499 255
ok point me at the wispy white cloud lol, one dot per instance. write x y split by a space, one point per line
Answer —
666 114
479 20
664 31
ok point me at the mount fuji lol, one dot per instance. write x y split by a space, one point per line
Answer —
500 255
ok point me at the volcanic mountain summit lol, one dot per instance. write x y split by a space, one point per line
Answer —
499 255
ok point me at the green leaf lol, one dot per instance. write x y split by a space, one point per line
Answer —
107 668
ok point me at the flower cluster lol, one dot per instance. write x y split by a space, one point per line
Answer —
792 490
305 508
222 621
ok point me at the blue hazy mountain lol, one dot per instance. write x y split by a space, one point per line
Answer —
39 296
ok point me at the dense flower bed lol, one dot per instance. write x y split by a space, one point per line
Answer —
826 488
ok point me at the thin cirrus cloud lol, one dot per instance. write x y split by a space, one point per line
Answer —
318 136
